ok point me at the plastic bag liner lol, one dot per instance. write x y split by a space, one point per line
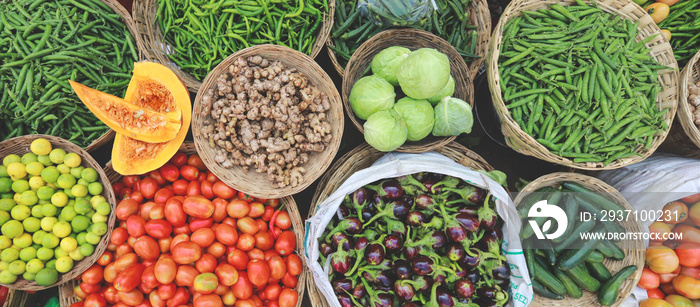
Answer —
388 13
398 164
651 184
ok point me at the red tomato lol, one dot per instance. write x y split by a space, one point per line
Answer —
209 300
216 249
79 293
267 215
245 303
149 279
189 172
294 264
220 205
278 268
238 259
162 195
186 252
89 288
180 187
264 240
184 229
185 275
130 278
226 234
165 244
135 225
649 280
155 300
147 248
692 272
289 281
256 253
675 212
157 176
689 233
135 195
174 213
286 242
687 286
202 177
106 258
196 224
126 208
196 161
247 225
110 294
145 303
123 250
170 172
227 274
259 272
206 283
194 188
179 159
157 212
256 209
109 273
245 242
166 291
181 297
679 301
222 190
203 237
211 177
118 189
229 221
245 196
158 229
148 187
283 221
238 208
273 304
95 300
288 298
179 238
242 289
125 261
207 189
228 298
262 225
206 264
131 241
221 289
689 254
272 292
93 275
270 253
130 180
198 206
167 269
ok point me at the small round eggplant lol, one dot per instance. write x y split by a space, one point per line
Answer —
401 209
354 226
496 232
456 233
425 281
439 277
361 243
374 254
410 252
383 280
393 244
424 201
469 209
344 300
360 196
489 222
488 243
401 269
470 222
339 237
477 196
444 297
415 218
359 291
392 190
421 265
473 276
404 291
455 251
342 285
344 212
485 292
325 249
470 262
429 182
464 288
502 272
440 239
384 300
367 214
486 302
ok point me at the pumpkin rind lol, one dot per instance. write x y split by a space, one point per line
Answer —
157 88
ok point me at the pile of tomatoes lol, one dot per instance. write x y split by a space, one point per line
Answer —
186 238
672 273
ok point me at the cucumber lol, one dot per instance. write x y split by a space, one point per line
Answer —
580 276
546 278
574 257
552 199
609 291
575 234
571 209
599 271
594 256
610 250
543 292
530 200
529 258
602 201
571 288
550 255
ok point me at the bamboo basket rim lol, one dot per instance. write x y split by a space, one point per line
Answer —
691 73
251 182
144 12
20 145
634 251
16 298
411 39
360 158
479 15
522 142
67 297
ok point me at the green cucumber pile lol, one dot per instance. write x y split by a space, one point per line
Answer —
567 265
575 79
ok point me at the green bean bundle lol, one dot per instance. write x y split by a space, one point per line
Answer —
43 43
450 22
201 33
575 79
684 24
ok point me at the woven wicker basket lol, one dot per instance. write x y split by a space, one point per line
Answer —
144 12
412 39
16 298
20 146
634 250
363 157
251 182
684 137
67 297
479 16
522 142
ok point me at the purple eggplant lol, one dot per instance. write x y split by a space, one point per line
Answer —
456 232
360 197
491 244
461 272
470 222
359 291
487 216
388 190
345 300
404 291
470 260
496 232
455 251
374 254
501 272
383 281
410 252
367 214
325 249
428 183
444 297
361 243
401 269
421 265
339 237
474 276
342 285
469 209
344 212
435 240
478 256
439 277
341 260
393 244
486 302
424 202
415 218
384 300
422 283
349 226
397 210
464 288
486 292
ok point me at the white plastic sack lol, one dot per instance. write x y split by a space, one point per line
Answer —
651 184
399 164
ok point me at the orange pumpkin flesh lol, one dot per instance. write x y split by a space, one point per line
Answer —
136 121
157 88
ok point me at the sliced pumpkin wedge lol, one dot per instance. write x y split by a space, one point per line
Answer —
132 120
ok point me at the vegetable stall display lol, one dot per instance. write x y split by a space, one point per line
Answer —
678 22
46 43
185 237
572 85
